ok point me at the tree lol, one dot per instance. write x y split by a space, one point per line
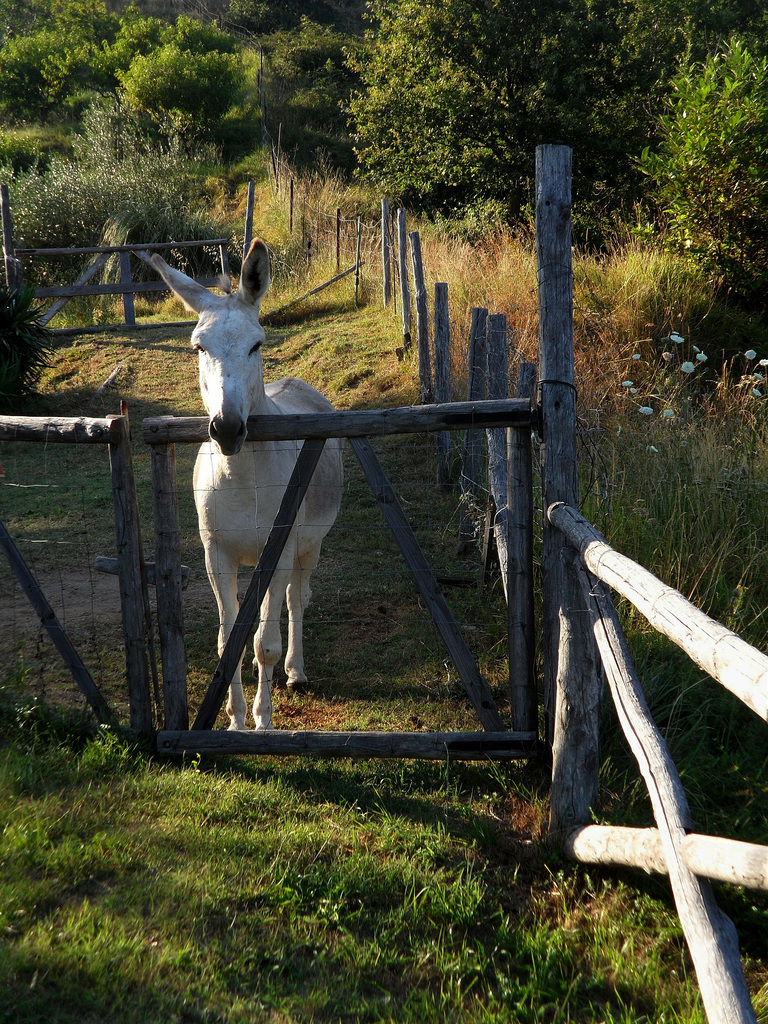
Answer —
457 93
186 93
710 170
41 68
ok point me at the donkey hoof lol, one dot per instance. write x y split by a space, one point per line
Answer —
297 685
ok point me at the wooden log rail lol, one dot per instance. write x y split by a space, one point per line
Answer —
53 429
513 412
722 654
721 860
440 746
709 933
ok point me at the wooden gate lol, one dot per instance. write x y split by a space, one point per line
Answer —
84 285
495 741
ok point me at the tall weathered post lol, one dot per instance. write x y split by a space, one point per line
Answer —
386 253
170 609
572 673
442 338
405 290
422 320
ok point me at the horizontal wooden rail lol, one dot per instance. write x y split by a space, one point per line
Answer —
438 746
513 412
92 249
722 860
53 429
114 288
731 661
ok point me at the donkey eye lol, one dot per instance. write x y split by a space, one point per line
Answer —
255 348
198 347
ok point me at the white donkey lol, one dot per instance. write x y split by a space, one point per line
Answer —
239 484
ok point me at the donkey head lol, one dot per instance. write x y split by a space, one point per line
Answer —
228 338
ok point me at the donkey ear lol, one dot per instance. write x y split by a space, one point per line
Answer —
254 279
193 295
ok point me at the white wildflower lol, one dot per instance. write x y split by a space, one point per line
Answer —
701 357
757 393
687 367
668 414
763 362
652 448
636 356
666 356
627 383
696 348
633 391
750 354
646 410
678 339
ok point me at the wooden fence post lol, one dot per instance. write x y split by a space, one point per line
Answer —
442 381
386 253
405 292
13 275
473 439
338 239
131 574
248 232
497 376
129 309
520 605
357 257
170 609
572 673
422 320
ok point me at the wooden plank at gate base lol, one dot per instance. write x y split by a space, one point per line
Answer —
63 645
442 616
435 746
257 588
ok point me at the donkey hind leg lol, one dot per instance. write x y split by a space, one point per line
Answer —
267 647
298 595
224 583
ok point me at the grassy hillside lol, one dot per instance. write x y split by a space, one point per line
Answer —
139 889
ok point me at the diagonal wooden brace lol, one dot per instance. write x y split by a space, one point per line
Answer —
474 684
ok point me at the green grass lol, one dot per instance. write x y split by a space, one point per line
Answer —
138 890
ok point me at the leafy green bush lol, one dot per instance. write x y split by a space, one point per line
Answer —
120 188
25 346
711 168
185 93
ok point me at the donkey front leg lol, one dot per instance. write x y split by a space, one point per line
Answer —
223 576
267 648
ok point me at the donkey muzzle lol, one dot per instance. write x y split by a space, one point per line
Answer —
228 434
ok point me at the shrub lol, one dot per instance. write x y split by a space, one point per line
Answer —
711 169
185 93
25 346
